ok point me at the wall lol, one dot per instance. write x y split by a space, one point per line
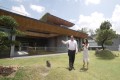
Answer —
55 44
115 45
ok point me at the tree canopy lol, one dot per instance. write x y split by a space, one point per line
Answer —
8 22
105 34
3 34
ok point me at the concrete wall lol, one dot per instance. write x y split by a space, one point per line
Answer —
115 45
62 47
55 44
79 42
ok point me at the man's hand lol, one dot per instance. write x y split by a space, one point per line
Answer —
63 42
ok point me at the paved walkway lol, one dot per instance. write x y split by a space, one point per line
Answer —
39 55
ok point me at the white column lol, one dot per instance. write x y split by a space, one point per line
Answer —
119 48
12 50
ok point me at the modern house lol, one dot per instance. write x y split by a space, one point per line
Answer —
46 33
116 44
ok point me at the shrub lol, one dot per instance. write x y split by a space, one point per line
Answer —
32 52
4 53
105 54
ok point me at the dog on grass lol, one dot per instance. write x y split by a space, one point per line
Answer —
48 64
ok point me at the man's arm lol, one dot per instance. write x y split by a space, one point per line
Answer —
65 42
76 47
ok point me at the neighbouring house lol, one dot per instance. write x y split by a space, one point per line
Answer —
92 43
114 47
116 44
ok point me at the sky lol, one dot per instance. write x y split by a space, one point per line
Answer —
87 14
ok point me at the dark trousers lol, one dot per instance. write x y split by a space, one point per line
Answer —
71 54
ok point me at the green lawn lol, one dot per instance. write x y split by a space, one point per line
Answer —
35 68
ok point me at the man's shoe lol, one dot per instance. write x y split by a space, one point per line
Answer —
70 69
73 68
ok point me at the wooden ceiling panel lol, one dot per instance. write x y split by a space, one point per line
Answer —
40 34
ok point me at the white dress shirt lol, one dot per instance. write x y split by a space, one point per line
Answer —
72 45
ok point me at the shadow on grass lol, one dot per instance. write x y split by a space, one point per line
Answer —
83 69
105 54
67 68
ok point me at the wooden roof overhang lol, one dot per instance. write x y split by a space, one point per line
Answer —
37 28
48 18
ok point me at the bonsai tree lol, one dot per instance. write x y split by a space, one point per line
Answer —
2 36
11 24
105 35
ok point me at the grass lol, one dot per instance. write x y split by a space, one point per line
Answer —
35 68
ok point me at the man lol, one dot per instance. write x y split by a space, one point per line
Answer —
72 49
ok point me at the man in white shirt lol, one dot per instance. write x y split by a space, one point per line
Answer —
72 49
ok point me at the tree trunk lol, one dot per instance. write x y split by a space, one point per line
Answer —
12 47
103 43
102 47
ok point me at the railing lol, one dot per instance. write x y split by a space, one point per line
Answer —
112 48
53 49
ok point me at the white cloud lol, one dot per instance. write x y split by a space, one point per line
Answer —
87 2
37 8
94 20
20 10
75 27
116 14
115 19
72 20
90 22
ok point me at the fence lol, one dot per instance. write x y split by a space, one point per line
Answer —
112 48
52 49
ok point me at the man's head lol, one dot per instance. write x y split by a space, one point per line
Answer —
72 38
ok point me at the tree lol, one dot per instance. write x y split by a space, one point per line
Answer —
83 30
11 24
91 32
2 34
87 31
105 35
2 37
